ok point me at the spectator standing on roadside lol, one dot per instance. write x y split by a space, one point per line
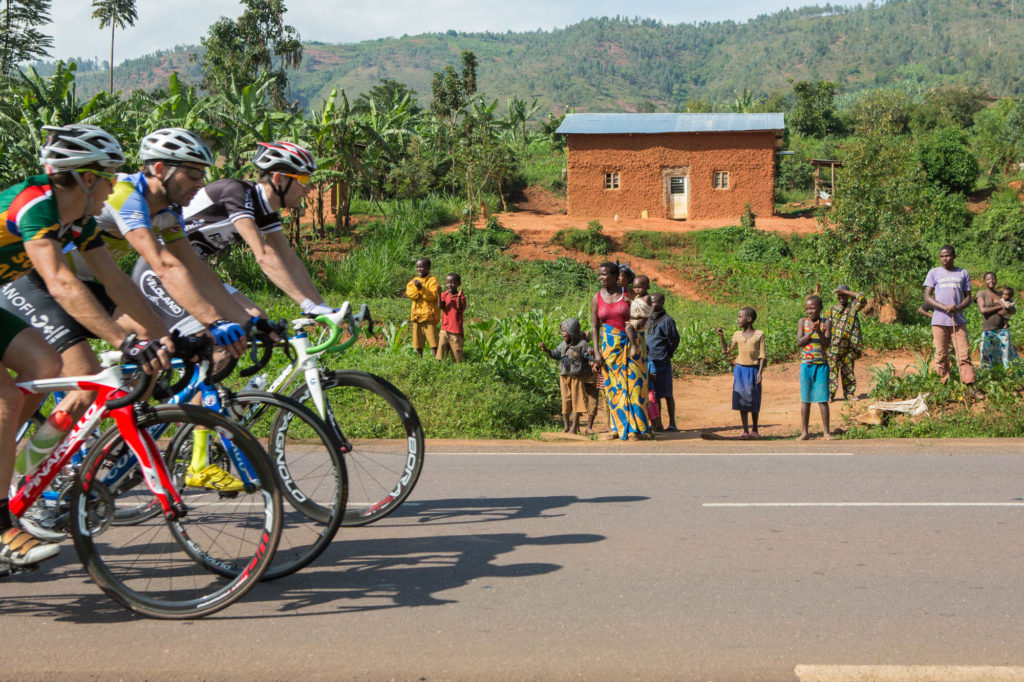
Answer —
575 378
453 303
847 342
996 345
423 290
662 342
626 278
947 289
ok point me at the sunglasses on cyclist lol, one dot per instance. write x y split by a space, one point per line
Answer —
105 175
301 179
193 174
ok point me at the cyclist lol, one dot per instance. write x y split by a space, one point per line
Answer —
144 213
229 211
41 216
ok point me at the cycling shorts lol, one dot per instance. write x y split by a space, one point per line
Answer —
10 326
169 310
27 299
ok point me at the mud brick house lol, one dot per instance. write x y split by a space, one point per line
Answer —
681 166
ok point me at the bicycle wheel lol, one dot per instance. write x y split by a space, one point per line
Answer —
311 474
381 437
191 566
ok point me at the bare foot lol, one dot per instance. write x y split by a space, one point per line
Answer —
828 436
804 436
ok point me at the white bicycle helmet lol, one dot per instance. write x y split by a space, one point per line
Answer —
285 157
175 144
79 144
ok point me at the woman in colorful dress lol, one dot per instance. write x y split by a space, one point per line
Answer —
609 312
847 342
996 309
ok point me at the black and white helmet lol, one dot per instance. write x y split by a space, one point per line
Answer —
285 157
77 145
176 145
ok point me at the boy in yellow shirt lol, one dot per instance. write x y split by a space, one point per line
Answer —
424 292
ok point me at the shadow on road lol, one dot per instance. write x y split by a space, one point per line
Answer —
402 572
483 509
352 575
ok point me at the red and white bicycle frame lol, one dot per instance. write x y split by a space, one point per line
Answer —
108 386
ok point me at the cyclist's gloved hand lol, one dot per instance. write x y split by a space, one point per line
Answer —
314 309
141 351
226 333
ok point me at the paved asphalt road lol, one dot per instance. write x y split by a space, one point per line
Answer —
674 560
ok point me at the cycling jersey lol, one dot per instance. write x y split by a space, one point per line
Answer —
126 210
210 218
28 212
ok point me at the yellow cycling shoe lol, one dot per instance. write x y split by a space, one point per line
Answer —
213 477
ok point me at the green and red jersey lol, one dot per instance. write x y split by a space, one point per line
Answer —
29 211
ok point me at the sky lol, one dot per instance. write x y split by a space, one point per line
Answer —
163 24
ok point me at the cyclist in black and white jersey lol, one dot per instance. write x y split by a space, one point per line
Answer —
230 211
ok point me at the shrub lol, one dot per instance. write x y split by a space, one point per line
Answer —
947 160
1001 227
590 241
468 242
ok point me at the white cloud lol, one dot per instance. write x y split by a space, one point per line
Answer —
163 24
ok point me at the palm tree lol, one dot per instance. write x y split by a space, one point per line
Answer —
119 13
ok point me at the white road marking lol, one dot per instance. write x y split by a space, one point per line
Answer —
641 453
908 673
863 504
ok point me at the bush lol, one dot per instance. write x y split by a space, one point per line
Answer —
947 160
590 241
1001 227
648 244
469 242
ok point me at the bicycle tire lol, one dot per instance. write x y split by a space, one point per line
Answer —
192 566
381 437
311 475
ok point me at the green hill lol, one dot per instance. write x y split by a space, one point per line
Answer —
614 64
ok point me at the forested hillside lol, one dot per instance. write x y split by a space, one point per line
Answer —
616 64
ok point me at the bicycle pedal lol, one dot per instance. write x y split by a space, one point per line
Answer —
228 495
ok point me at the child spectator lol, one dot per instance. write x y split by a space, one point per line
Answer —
426 309
575 381
453 303
662 342
751 356
626 277
813 336
641 285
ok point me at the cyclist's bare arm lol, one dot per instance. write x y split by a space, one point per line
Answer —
125 294
279 262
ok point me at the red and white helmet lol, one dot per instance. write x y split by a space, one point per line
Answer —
285 157
77 145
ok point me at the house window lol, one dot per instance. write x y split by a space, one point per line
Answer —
611 180
720 180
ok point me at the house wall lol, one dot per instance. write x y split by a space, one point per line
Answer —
639 159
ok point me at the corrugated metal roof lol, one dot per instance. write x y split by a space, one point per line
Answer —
619 124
